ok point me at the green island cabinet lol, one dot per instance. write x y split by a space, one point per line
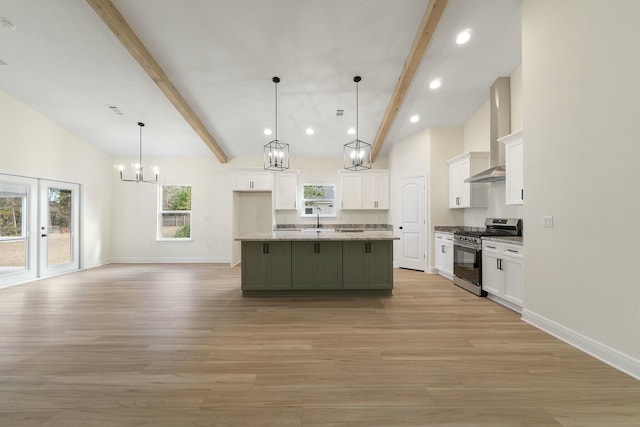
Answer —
266 265
316 265
367 264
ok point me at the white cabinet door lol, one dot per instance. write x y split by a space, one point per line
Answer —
440 254
375 190
286 191
365 190
381 190
492 275
502 273
514 150
448 262
368 191
351 191
248 181
262 181
444 254
514 279
463 194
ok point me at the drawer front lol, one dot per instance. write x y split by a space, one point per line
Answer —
512 250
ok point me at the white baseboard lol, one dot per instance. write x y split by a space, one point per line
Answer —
170 260
608 355
504 302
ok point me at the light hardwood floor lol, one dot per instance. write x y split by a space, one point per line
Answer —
177 345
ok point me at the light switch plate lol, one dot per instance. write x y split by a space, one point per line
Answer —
547 221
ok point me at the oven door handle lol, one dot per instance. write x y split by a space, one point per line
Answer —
467 245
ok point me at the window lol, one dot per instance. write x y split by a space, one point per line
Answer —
319 200
175 212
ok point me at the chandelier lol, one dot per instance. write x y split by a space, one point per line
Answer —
138 169
357 154
276 153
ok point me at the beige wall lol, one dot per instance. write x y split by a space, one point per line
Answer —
580 71
34 146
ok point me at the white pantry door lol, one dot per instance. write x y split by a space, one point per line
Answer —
59 247
412 226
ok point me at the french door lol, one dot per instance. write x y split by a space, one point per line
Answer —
18 222
58 228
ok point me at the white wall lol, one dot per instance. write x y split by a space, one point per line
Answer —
580 71
32 145
135 213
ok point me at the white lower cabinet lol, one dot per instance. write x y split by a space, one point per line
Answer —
444 254
502 274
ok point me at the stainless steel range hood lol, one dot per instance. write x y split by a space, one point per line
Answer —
499 126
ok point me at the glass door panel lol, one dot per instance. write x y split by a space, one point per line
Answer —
59 220
17 218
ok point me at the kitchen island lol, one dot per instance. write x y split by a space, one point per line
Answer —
317 262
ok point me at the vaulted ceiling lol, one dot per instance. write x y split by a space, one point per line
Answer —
63 61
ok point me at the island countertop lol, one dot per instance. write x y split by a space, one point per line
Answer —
306 235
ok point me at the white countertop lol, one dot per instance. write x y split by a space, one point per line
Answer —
314 235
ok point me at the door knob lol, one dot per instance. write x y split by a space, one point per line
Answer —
400 227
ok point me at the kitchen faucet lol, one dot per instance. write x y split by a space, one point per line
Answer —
318 216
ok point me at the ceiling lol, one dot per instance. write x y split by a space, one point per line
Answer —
64 62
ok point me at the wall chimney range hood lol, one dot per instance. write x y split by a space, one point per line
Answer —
499 126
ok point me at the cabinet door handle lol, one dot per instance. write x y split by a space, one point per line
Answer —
442 249
490 247
497 263
522 194
265 248
513 251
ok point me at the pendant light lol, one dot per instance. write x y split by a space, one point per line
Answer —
276 153
357 154
138 169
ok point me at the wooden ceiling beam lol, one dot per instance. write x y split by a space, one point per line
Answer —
121 29
423 38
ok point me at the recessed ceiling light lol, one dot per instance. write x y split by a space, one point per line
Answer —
309 131
463 36
351 131
415 118
435 83
267 131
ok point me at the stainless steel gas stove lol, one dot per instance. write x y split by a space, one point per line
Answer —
467 251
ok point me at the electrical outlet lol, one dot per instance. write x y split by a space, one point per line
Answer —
547 221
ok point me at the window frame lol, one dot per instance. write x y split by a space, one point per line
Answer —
161 212
327 201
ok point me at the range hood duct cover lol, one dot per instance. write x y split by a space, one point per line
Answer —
499 126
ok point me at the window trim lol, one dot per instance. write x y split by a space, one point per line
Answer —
334 201
160 212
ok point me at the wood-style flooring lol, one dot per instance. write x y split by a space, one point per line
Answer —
177 345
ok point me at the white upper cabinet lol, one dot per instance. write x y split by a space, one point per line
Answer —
463 194
364 190
513 152
253 180
286 191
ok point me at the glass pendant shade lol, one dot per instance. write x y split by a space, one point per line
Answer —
357 154
276 153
